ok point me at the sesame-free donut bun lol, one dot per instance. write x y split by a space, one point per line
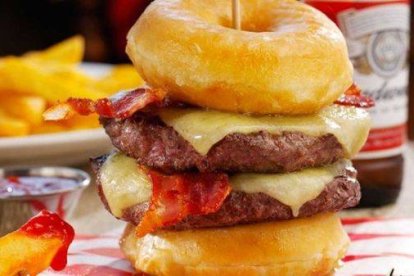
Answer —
306 246
288 58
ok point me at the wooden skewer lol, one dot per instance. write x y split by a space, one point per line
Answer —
236 14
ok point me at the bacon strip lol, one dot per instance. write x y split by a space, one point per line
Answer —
119 106
125 104
174 197
354 97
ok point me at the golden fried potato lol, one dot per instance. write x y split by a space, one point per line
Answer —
50 82
82 122
49 127
27 108
69 51
40 79
10 126
22 253
121 77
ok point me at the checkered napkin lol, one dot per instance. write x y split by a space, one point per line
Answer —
378 247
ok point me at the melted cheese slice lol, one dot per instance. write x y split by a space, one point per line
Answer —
203 128
124 184
292 189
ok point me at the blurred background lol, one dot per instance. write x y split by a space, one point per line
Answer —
31 25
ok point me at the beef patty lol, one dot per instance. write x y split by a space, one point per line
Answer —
241 208
147 139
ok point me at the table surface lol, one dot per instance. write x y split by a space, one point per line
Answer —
90 217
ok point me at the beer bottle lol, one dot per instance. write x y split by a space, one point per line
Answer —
377 35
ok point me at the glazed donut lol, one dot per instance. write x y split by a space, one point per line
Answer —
288 59
308 246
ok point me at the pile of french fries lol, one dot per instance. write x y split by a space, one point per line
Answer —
37 80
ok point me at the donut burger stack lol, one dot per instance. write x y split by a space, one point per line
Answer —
235 157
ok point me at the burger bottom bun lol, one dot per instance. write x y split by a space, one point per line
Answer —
306 246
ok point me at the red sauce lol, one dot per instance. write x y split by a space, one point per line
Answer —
15 186
174 197
49 225
13 179
10 185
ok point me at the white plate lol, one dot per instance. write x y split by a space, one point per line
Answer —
64 148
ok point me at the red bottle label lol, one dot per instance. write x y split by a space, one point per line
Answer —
377 35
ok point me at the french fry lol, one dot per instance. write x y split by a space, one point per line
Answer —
10 126
41 242
39 79
82 122
62 115
23 77
28 108
74 75
69 51
49 127
121 77
22 253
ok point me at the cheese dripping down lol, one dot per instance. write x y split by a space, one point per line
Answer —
124 184
203 128
292 189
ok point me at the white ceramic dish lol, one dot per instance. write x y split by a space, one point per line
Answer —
57 149
65 148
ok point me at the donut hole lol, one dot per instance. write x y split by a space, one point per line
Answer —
248 25
256 16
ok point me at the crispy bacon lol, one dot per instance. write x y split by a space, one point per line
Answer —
119 106
354 97
174 197
83 107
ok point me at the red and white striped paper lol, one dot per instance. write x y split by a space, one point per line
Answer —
378 246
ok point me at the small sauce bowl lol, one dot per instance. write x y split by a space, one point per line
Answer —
24 192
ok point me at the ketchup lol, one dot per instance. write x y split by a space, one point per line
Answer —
49 225
14 186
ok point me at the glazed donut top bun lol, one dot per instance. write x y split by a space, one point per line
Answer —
288 58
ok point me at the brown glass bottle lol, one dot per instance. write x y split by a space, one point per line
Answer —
377 36
380 180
